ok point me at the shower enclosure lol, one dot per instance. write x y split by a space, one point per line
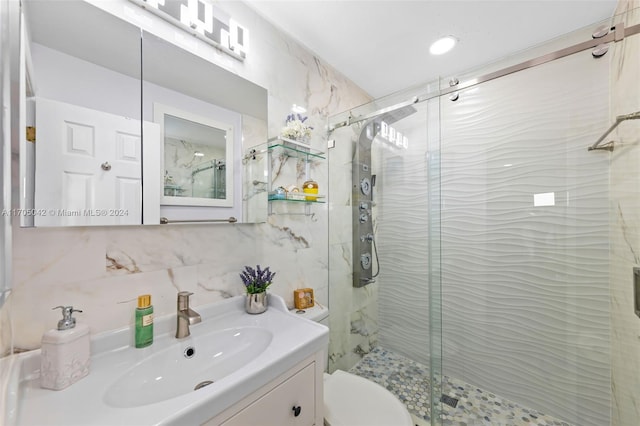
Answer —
499 249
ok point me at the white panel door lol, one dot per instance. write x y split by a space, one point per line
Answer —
88 167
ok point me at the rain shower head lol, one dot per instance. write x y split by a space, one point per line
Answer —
391 117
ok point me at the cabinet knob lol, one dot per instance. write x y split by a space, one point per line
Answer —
296 410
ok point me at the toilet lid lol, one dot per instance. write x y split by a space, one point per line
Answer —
350 400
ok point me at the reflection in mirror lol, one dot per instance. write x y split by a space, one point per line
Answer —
81 93
198 159
198 167
195 103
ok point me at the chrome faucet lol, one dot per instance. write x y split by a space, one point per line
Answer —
186 316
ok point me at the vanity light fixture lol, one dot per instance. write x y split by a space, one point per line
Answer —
190 16
203 20
443 45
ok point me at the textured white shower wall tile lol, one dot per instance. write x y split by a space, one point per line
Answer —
402 235
525 288
105 269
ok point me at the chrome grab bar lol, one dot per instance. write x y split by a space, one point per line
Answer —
619 119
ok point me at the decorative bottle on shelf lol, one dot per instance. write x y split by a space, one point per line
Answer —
144 321
66 352
310 187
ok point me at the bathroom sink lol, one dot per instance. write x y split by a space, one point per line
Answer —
237 352
188 366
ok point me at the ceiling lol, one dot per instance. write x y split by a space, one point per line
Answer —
383 45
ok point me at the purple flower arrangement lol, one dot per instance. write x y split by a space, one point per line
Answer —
256 280
296 117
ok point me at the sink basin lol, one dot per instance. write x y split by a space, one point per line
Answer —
188 366
237 352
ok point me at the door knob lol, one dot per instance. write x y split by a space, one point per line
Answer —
106 166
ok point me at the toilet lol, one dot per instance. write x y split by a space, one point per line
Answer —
351 400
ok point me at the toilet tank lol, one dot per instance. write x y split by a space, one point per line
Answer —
318 313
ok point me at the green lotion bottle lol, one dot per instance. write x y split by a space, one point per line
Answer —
144 321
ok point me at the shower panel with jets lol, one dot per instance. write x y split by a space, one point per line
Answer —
366 265
362 219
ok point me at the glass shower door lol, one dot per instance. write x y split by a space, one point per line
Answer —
525 245
402 351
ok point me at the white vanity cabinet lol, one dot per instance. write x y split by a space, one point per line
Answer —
293 399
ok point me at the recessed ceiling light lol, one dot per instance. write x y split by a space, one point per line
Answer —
442 45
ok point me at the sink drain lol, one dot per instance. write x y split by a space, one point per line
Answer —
203 384
189 352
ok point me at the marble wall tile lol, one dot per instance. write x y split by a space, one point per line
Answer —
624 227
354 311
103 270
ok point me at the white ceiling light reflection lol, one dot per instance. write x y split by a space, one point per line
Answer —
442 45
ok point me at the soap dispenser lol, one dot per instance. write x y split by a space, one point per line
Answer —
65 353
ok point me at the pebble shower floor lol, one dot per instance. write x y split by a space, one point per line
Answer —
409 381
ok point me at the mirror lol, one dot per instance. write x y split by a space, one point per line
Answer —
115 124
81 94
198 158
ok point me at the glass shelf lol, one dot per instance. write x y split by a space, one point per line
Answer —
292 148
289 148
299 198
290 200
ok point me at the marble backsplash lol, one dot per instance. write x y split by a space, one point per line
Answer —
102 270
